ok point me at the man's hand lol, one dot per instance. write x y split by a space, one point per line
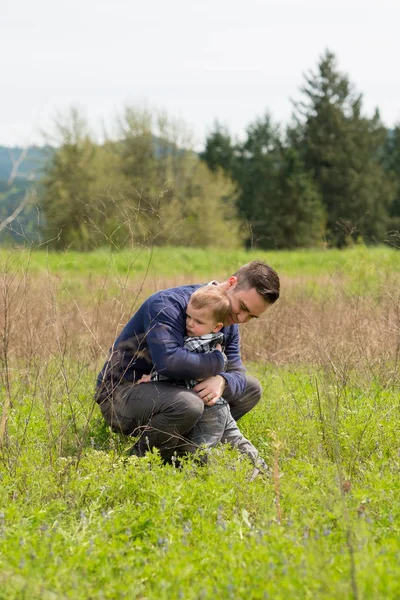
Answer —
210 389
144 379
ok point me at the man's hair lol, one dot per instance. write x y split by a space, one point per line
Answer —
216 300
263 278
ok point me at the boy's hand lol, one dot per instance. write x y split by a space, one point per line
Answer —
218 347
210 389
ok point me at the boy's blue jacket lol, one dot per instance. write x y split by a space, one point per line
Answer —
153 341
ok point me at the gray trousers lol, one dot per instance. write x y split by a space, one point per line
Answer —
163 414
217 425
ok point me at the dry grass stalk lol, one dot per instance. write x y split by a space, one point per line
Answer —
277 446
49 317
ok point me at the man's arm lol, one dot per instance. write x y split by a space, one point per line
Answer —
165 323
235 374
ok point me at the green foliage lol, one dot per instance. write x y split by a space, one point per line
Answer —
360 263
80 188
79 519
332 178
219 151
67 185
145 188
293 216
277 198
327 180
340 149
258 162
391 163
201 212
178 199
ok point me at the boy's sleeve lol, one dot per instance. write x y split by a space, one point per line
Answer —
165 326
235 374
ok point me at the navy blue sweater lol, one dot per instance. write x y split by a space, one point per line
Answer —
153 341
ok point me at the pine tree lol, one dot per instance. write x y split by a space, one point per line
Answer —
276 197
391 163
340 150
219 152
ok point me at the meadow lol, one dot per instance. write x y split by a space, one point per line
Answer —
79 519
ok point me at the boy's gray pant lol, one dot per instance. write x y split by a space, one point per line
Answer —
217 425
163 413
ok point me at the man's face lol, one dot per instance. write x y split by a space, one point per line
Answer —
200 321
246 304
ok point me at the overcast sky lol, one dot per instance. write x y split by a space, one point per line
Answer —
201 60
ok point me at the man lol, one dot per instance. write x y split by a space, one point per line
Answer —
153 340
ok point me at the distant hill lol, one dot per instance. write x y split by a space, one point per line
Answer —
31 167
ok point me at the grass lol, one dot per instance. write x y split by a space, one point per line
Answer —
359 262
79 519
101 525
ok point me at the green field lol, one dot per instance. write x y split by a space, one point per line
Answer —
79 519
196 262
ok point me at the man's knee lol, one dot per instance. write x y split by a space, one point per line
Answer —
186 410
253 389
166 406
248 399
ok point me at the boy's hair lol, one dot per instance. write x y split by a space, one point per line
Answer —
261 277
216 300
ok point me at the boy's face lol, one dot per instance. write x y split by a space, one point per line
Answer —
200 321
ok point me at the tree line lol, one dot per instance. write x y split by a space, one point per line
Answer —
331 177
145 187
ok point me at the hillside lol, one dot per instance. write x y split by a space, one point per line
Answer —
29 172
32 165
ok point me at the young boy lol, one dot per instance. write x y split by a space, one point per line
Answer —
206 312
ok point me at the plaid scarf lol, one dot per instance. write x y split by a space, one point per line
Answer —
203 343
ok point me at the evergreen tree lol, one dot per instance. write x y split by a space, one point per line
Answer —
219 152
340 150
297 218
391 162
276 197
258 163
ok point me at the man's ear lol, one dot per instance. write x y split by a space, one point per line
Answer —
229 283
218 327
232 281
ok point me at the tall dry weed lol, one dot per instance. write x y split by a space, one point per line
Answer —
50 322
45 316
